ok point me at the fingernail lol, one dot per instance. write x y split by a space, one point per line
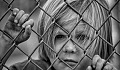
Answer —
14 13
18 24
15 21
89 68
23 26
29 26
93 66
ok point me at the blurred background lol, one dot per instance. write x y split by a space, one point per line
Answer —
29 45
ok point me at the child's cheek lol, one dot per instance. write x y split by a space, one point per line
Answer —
84 64
58 46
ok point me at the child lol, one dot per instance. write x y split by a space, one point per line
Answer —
70 43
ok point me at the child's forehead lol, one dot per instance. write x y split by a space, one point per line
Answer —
72 17
69 19
68 16
70 27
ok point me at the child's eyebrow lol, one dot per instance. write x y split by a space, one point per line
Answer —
59 31
81 27
70 21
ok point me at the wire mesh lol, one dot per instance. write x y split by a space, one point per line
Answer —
30 60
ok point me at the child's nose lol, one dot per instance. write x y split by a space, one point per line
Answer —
70 47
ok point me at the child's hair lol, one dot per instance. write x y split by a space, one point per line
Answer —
95 15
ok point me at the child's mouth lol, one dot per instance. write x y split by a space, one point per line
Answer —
70 62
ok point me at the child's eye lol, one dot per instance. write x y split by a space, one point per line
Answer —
59 37
81 37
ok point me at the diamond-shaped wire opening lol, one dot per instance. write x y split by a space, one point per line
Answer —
30 63
10 3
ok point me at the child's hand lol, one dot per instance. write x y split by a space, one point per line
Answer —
97 64
17 21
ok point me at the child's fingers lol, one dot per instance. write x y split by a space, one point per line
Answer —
95 59
29 22
89 68
13 14
99 64
15 11
18 16
109 66
23 19
27 32
28 25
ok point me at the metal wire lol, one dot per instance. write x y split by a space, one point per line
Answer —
14 44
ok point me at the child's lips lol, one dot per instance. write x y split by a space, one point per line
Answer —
71 62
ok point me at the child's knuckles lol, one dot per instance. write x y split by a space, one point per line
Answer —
108 67
95 59
19 15
21 12
15 11
96 56
89 68
103 60
27 31
13 15
99 64
29 22
23 18
32 22
11 18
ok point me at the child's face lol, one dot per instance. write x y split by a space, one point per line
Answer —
71 53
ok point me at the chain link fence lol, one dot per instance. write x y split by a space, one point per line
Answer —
37 6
